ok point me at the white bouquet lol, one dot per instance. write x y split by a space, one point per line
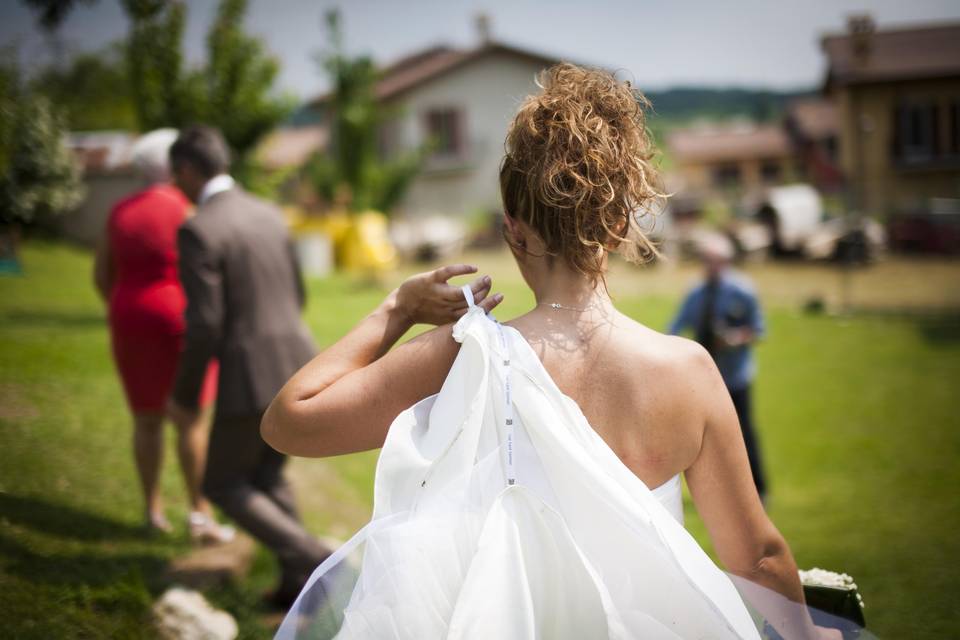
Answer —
835 593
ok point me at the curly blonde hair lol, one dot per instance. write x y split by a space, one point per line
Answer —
579 168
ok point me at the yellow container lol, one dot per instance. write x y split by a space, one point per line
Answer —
366 246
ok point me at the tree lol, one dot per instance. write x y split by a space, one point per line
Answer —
232 92
39 176
97 91
92 91
238 80
354 170
163 94
52 13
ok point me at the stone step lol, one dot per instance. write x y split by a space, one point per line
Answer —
213 565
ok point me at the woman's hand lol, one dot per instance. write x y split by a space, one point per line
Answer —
736 337
427 298
346 397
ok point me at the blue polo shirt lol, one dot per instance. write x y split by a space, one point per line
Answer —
736 305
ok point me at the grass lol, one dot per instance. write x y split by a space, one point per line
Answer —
856 416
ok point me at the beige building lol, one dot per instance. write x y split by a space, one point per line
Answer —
108 177
897 93
461 100
731 159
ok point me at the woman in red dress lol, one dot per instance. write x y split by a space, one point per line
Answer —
136 273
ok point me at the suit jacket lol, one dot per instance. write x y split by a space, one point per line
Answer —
244 297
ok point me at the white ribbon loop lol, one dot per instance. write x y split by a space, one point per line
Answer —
468 294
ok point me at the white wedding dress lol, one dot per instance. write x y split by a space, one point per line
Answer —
500 513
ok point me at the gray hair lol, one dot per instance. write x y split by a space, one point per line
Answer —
151 154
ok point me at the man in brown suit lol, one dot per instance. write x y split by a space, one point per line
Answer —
244 297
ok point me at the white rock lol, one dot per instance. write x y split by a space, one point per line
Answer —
183 614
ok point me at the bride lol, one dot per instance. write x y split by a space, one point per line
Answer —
529 481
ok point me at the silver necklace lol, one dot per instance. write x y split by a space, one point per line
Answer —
557 305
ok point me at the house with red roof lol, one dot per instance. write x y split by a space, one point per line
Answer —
461 100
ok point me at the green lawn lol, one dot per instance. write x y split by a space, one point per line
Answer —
856 418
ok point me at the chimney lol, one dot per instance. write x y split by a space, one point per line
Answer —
861 28
482 23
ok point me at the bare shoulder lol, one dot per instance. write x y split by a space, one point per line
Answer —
650 406
666 353
677 370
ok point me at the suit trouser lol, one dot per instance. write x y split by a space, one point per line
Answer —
244 477
743 405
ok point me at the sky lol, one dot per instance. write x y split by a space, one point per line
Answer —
743 43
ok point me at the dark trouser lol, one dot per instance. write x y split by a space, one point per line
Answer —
244 477
741 401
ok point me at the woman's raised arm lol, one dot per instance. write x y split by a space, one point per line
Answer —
345 399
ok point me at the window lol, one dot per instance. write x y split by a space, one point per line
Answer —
830 147
916 132
770 171
388 138
445 133
726 175
953 141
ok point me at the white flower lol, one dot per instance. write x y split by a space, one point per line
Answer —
818 577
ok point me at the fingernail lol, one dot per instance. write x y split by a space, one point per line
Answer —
499 297
486 279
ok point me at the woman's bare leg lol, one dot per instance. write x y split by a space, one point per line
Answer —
148 454
192 453
192 436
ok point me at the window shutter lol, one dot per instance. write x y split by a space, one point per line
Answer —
955 127
934 130
896 144
459 143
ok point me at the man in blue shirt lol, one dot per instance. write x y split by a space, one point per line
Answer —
724 314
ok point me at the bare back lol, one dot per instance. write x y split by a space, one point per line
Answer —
634 385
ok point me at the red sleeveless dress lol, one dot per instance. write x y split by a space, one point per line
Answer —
147 302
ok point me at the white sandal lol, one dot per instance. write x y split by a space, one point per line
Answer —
205 530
